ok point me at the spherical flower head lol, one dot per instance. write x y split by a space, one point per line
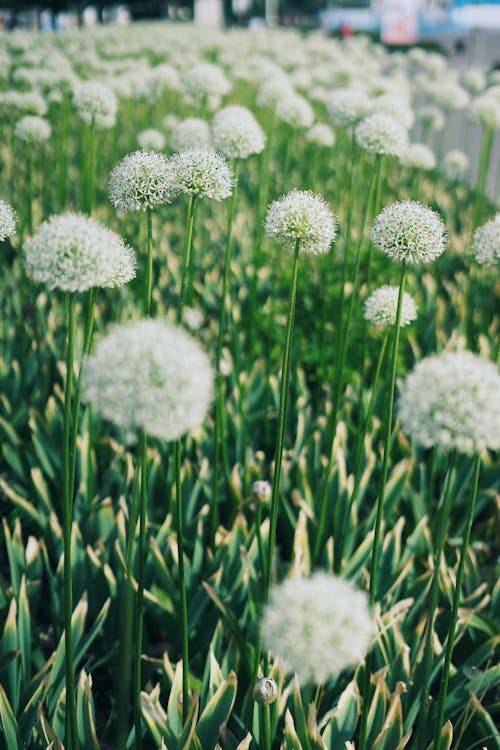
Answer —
7 220
448 94
381 134
32 129
409 232
75 253
141 180
474 80
485 110
151 140
304 217
321 135
346 107
382 305
236 133
202 172
261 490
96 104
455 164
318 626
206 82
272 90
190 133
395 106
450 401
150 376
265 691
486 243
295 111
430 117
419 156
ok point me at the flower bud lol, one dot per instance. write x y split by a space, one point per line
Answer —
261 490
265 690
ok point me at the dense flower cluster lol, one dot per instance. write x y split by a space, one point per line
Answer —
318 626
455 164
202 172
75 253
236 133
295 110
381 306
486 243
410 232
321 135
96 104
190 133
141 180
7 220
451 401
347 106
32 129
381 134
149 376
304 217
151 140
419 156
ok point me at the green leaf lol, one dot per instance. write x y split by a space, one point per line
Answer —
30 713
85 713
216 713
8 723
24 631
343 718
292 741
9 643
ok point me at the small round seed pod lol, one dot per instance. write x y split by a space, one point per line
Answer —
265 691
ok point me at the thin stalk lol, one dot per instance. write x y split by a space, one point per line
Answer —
186 255
381 497
482 176
62 150
433 599
219 397
148 280
342 340
182 582
29 199
89 170
266 725
456 603
280 437
360 441
139 622
71 734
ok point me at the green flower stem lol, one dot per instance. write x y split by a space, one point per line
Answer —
71 734
342 339
139 622
148 281
360 441
62 151
381 497
29 199
182 582
266 726
482 176
186 255
444 515
219 437
456 603
90 160
285 379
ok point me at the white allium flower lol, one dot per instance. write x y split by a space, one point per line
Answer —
418 155
7 220
151 376
321 134
30 102
485 110
346 107
448 94
75 253
382 305
396 107
151 140
474 80
381 134
318 626
205 82
295 111
96 104
141 180
455 164
486 243
190 133
451 401
169 122
272 90
301 216
32 129
430 117
410 232
236 133
202 172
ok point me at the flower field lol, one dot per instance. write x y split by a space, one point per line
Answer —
249 411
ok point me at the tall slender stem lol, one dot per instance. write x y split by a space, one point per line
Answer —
280 437
342 339
143 448
71 740
29 206
219 393
381 497
89 170
482 176
360 440
182 581
148 281
62 150
186 255
433 599
456 603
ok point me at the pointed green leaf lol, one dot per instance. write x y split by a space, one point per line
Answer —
216 713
